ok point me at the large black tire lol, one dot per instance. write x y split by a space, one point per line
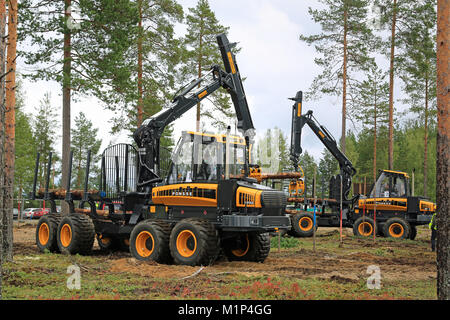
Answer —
46 231
364 227
413 233
76 234
194 242
149 240
302 224
247 247
397 228
107 243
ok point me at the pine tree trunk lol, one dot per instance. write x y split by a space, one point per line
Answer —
199 74
10 124
375 138
391 90
2 125
443 150
425 156
140 107
66 104
344 85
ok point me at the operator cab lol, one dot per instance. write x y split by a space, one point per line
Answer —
201 157
391 184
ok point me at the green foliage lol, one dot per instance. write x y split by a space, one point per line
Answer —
273 152
328 167
308 164
201 52
161 53
45 128
285 242
84 139
25 149
329 44
97 46
409 154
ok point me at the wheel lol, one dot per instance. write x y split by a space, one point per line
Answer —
364 227
380 228
397 228
107 243
124 244
194 242
46 231
247 247
149 240
76 234
302 224
413 233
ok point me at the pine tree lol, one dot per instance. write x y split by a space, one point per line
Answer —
443 150
418 69
328 167
25 154
201 53
369 105
84 56
395 17
307 163
10 123
152 61
84 139
344 45
45 128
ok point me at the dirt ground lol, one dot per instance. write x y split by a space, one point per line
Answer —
398 260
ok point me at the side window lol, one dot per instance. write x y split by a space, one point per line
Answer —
384 190
381 187
181 170
399 187
207 168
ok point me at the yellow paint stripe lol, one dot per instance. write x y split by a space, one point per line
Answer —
299 109
201 95
230 58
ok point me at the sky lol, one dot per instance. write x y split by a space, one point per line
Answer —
275 63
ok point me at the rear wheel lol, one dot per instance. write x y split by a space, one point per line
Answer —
364 227
149 240
75 234
107 243
397 228
302 224
194 242
46 231
247 247
413 233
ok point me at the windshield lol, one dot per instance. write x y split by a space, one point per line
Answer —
202 158
389 186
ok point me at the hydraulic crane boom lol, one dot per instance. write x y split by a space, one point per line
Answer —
148 135
347 171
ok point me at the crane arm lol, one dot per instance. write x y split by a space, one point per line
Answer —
298 122
148 135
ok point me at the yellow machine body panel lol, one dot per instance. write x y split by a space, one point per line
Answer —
186 194
427 206
385 204
248 197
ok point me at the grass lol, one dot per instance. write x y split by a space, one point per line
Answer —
44 276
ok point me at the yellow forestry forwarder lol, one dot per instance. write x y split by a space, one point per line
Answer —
390 210
186 212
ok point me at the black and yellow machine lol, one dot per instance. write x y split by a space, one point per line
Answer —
389 209
185 211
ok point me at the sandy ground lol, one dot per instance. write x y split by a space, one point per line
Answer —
398 261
